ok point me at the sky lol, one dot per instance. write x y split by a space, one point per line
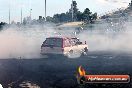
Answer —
54 6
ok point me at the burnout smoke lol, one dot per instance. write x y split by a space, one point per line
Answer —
22 42
109 37
25 42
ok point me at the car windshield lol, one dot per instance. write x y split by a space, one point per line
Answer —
56 42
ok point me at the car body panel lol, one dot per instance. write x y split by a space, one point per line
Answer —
67 45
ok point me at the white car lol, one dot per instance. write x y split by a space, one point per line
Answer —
63 46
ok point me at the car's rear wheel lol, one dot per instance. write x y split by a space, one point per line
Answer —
70 53
56 56
74 54
85 52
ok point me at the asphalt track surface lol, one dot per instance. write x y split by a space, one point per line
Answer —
61 72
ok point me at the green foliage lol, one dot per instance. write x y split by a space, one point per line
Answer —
49 19
79 16
2 24
85 16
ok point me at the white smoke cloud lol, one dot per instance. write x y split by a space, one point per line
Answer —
107 38
22 42
102 1
26 42
116 3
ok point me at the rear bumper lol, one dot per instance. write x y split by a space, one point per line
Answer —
55 51
53 55
50 54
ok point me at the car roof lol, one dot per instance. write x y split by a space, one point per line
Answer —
63 37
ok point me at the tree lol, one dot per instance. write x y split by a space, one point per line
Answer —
63 17
48 18
79 16
24 21
87 11
2 24
87 15
56 18
94 17
75 10
69 17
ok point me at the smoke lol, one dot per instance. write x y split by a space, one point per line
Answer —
109 37
25 42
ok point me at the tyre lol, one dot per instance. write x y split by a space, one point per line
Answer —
57 56
85 52
70 53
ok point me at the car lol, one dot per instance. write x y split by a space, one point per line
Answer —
63 46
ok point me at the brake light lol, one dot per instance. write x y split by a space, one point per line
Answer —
62 46
62 43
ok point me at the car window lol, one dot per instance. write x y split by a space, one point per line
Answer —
56 42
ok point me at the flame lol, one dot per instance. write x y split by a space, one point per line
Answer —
81 71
